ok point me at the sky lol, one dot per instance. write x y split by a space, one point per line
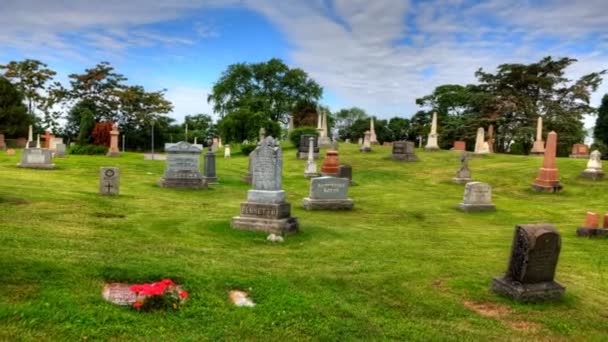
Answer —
378 55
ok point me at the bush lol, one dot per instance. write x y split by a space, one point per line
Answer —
295 135
88 149
248 148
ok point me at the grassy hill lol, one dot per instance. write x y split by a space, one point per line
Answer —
405 264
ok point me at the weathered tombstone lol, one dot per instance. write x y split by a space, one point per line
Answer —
330 164
548 175
266 208
591 227
404 151
227 151
2 142
431 144
534 255
114 151
109 181
60 150
372 132
594 166
360 141
209 168
183 163
477 197
36 158
311 166
580 151
366 143
54 142
324 139
305 146
464 174
459 146
346 171
539 145
481 146
329 193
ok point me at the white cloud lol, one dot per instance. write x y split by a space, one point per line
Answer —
188 100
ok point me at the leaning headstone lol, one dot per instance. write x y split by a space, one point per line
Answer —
580 151
36 158
183 167
346 171
404 151
591 227
548 175
304 146
464 174
534 255
266 208
431 144
311 166
209 168
594 166
477 197
114 151
329 193
109 181
366 143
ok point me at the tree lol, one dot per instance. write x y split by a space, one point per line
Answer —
200 126
75 115
345 118
399 127
138 107
34 80
243 125
270 89
600 132
14 118
101 133
87 123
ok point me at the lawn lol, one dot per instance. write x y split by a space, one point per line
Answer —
405 264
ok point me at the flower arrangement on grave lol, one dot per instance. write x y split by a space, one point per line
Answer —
158 296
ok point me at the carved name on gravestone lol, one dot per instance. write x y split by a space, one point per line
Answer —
109 181
534 255
304 146
36 158
328 193
183 166
267 164
477 197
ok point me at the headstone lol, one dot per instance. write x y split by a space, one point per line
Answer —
459 146
594 166
266 208
60 150
477 197
548 175
464 174
324 139
21 143
109 181
304 146
539 145
30 137
534 255
346 171
183 167
360 141
54 142
580 151
290 125
114 151
329 193
591 227
227 151
404 151
214 145
311 166
209 168
36 158
366 147
491 139
330 164
2 142
347 141
431 144
10 152
481 147
372 132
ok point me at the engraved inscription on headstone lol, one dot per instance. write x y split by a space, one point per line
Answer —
329 193
183 166
477 197
109 181
267 163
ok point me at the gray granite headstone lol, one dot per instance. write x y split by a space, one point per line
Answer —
209 168
60 150
109 181
534 255
183 166
328 193
37 158
403 151
267 165
477 197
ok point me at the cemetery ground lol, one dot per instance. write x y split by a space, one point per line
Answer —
404 264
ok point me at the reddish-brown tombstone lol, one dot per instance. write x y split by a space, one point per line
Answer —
47 138
491 138
580 151
459 146
592 220
605 221
548 175
331 163
591 227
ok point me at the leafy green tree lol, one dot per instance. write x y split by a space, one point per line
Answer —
74 117
271 89
87 123
399 127
243 124
358 128
14 118
345 118
200 126
600 132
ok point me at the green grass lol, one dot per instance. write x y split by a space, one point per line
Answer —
401 265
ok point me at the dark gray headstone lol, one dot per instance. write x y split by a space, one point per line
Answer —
109 181
303 147
346 171
404 151
209 168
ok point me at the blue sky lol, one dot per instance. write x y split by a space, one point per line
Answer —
379 55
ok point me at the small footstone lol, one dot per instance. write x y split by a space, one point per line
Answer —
274 238
241 298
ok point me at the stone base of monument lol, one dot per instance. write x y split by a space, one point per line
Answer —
527 292
266 217
183 183
327 204
365 149
113 154
476 207
431 148
304 155
547 188
404 157
591 232
580 156
210 180
311 175
458 180
36 166
537 153
595 175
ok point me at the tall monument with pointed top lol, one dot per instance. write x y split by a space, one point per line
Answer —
539 145
548 176
431 144
324 139
372 133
